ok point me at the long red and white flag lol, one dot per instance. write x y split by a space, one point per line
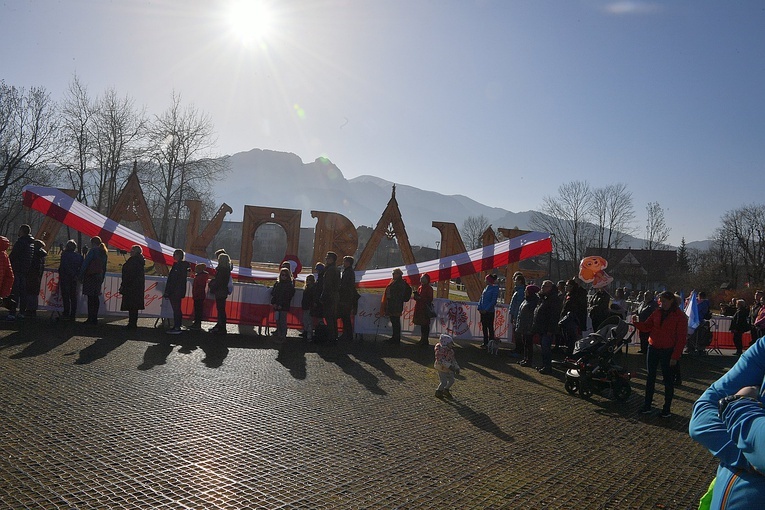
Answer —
60 206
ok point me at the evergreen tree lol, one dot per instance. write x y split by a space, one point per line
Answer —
683 264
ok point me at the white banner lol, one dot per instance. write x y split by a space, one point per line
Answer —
460 319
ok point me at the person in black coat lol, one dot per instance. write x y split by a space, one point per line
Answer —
739 325
34 276
219 288
175 289
68 269
396 294
21 260
573 315
347 297
330 294
524 324
133 286
546 316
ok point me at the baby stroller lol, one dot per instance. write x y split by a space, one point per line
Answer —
591 366
700 339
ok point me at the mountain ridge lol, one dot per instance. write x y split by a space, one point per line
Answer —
264 177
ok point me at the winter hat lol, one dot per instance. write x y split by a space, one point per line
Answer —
532 289
399 271
445 340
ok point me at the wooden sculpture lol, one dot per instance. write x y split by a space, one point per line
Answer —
390 225
334 232
197 243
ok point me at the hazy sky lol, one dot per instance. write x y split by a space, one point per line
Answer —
501 101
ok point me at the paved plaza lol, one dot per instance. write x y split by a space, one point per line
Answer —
96 417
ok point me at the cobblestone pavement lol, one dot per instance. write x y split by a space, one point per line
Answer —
99 417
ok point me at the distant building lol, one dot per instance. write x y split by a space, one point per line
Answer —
638 269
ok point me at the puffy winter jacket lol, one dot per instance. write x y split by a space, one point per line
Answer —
671 332
488 298
736 437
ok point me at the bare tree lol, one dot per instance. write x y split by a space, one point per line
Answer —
567 217
614 216
656 230
181 141
472 231
28 128
742 237
117 131
77 112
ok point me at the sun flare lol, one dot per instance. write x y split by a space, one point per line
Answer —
251 21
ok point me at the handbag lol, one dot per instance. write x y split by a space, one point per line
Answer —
431 310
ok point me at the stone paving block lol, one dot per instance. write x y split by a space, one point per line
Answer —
98 417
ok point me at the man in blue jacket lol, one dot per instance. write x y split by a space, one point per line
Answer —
729 420
486 306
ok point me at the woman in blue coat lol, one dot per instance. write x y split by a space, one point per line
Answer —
729 420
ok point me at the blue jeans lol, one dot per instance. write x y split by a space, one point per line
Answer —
654 358
281 323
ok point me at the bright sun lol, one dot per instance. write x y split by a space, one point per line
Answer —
251 21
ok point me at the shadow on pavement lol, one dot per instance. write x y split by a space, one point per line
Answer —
292 357
215 352
98 349
480 420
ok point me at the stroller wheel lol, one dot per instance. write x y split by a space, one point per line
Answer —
622 390
585 390
572 385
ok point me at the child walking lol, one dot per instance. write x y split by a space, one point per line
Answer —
446 364
199 293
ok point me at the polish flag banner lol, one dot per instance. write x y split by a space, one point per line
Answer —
58 205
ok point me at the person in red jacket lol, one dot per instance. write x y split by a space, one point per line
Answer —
6 273
667 328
